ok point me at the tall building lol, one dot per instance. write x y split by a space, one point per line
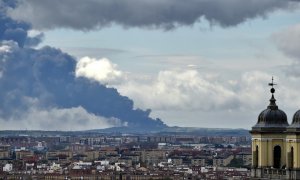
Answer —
275 144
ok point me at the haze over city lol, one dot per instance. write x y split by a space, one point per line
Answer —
69 65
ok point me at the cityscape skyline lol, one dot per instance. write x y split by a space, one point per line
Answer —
199 64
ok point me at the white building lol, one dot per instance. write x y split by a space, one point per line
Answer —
8 168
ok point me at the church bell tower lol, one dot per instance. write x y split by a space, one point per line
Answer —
293 147
269 145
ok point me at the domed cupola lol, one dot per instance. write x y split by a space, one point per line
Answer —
272 118
296 122
296 119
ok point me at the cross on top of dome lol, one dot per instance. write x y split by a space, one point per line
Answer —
272 104
272 84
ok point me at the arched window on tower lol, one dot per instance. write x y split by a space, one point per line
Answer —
277 157
255 157
291 158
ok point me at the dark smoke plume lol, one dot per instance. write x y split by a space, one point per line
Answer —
45 78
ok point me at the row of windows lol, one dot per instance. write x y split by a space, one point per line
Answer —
276 157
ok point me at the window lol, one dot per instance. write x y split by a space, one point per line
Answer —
255 157
277 156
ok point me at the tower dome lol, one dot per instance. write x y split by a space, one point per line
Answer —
271 118
296 120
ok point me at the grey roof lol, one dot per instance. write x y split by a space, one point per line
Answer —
296 119
295 126
271 119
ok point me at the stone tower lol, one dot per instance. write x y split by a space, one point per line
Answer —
275 144
269 141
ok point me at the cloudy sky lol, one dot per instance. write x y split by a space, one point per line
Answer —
196 63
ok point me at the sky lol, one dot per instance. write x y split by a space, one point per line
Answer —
194 63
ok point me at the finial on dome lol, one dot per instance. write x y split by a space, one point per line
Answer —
272 84
272 100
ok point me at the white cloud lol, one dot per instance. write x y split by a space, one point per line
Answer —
101 70
288 40
185 89
199 97
176 89
76 118
7 47
252 89
33 33
191 98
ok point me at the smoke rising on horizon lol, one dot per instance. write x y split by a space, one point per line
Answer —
44 79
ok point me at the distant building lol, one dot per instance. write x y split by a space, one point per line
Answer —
275 144
222 161
59 156
246 157
197 161
107 151
177 160
162 139
4 154
23 154
91 155
153 156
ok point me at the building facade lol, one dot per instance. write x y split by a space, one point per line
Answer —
275 144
